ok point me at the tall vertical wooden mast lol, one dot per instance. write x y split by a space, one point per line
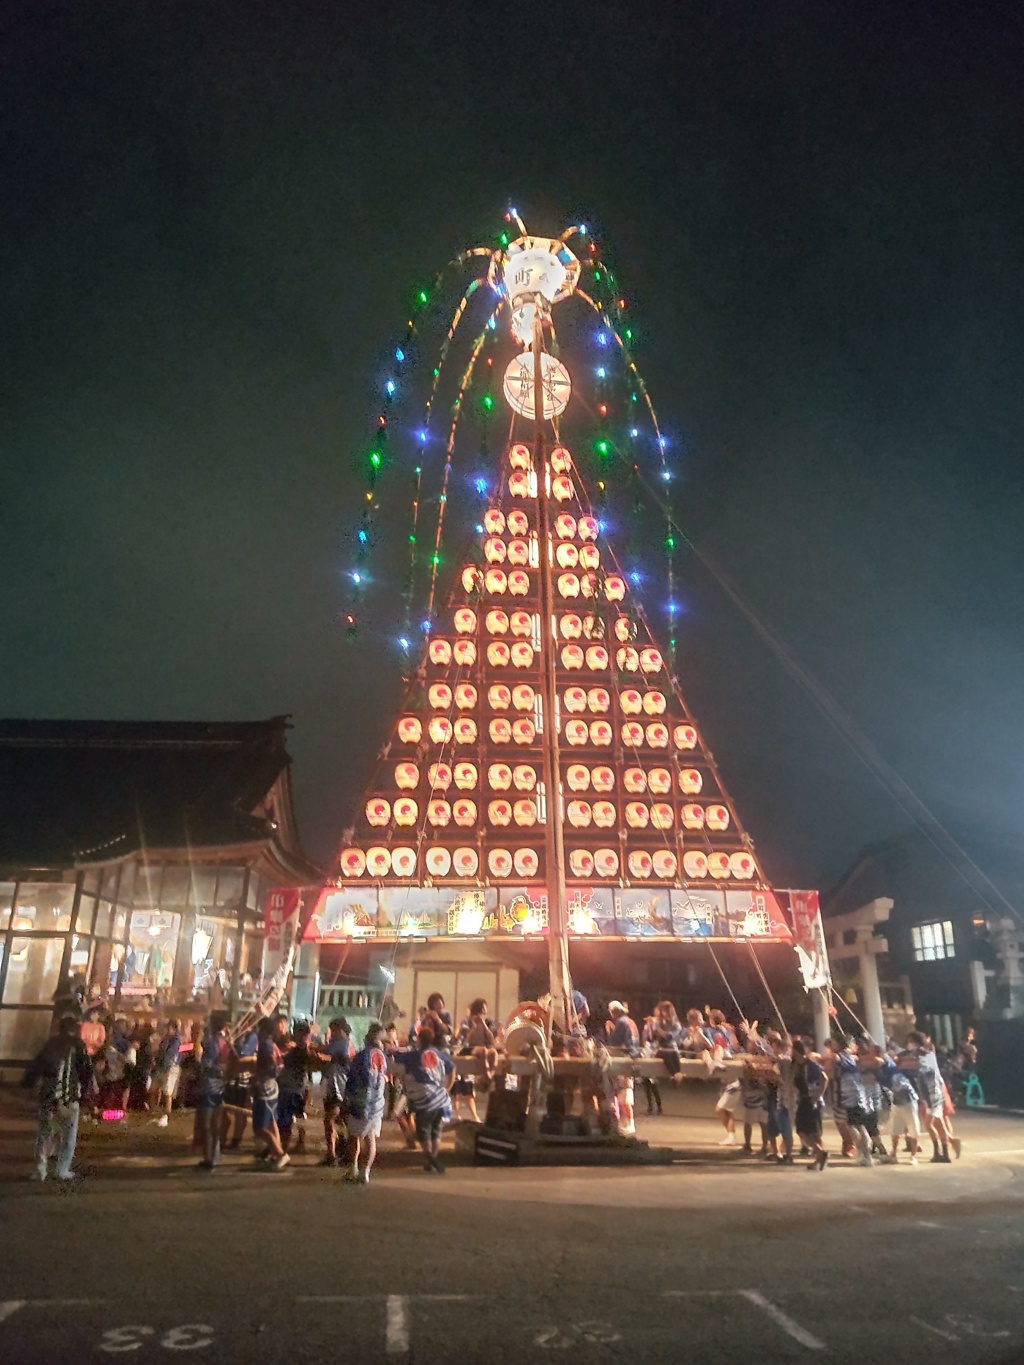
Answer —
560 984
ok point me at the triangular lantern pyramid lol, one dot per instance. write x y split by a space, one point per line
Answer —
450 839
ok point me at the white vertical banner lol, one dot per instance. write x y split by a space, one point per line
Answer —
280 928
809 939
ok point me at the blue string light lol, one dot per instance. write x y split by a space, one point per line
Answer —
399 354
390 387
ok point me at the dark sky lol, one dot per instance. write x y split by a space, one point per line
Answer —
212 215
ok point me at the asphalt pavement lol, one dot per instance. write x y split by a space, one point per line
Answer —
717 1258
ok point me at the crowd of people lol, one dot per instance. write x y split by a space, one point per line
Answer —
264 1072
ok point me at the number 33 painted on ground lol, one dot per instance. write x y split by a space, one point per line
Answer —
191 1336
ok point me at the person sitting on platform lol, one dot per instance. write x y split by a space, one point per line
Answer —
623 1037
696 1041
723 1035
652 1090
439 1020
475 1039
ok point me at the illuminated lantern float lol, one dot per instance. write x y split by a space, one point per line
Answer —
457 817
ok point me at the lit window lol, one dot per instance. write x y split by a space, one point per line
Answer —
933 942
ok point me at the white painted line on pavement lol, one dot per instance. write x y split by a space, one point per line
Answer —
937 1330
696 1293
8 1307
783 1320
396 1329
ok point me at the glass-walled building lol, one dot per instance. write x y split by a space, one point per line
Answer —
136 863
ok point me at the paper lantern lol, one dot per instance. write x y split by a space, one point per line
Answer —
500 730
410 731
599 699
597 657
518 553
523 731
662 815
499 862
495 581
494 550
600 732
406 812
438 861
581 862
576 732
566 555
519 583
574 699
565 526
614 588
494 521
631 701
665 864
627 659
526 862
378 861
521 623
588 528
593 626
472 579
695 863
568 585
496 622
590 557
570 626
519 484
690 781
407 776
498 654
632 734
684 737
499 697
640 863
500 812
439 775
692 817
561 488
525 813
439 812
352 862
440 729
718 866
465 621
440 696
440 652
606 862
465 776
465 861
464 653
603 779
465 730
522 655
659 780
741 865
572 656
717 817
654 703
604 814
499 777
464 812
403 861
561 460
579 814
519 456
637 815
523 697
634 780
625 629
578 777
378 811
588 584
651 660
518 522
657 735
524 778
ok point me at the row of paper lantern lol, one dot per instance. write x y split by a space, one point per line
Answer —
631 702
496 581
521 554
522 483
499 696
441 729
517 523
524 624
521 457
596 657
580 814
578 777
464 862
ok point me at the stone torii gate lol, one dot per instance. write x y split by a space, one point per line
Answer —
853 935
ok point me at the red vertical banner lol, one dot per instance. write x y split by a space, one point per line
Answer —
280 927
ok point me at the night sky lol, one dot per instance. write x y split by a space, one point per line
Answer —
212 215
